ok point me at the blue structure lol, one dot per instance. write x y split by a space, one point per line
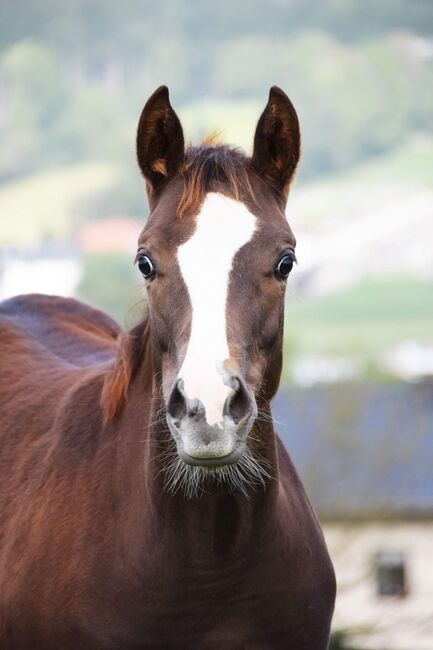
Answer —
362 450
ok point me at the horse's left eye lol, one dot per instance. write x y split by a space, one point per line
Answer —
284 266
146 267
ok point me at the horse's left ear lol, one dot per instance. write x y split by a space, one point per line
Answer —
160 143
277 142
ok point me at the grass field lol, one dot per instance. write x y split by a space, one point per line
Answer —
48 205
411 163
363 322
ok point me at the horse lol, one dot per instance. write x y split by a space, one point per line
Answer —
146 501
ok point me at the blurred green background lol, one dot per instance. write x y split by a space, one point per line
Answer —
355 410
74 76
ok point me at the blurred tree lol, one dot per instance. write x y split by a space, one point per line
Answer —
108 282
74 77
35 96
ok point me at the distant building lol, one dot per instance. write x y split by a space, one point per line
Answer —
109 235
365 454
57 267
51 268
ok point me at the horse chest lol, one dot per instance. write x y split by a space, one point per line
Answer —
260 605
225 591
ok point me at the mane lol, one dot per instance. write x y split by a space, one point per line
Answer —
214 167
129 356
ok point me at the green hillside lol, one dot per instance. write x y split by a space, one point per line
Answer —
362 322
47 205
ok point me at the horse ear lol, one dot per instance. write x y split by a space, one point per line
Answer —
160 144
277 142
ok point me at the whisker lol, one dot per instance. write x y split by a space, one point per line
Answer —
249 473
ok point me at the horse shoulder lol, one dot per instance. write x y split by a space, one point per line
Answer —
51 379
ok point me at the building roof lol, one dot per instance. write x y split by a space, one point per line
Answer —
114 234
362 450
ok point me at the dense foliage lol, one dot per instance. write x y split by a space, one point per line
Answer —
74 75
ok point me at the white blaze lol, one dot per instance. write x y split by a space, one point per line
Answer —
223 226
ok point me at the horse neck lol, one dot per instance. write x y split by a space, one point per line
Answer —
216 525
216 521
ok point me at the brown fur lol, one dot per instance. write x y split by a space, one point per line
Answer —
120 375
212 139
214 168
159 167
95 552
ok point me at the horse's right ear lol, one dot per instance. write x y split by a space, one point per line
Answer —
160 144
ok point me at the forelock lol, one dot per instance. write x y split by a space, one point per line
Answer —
213 168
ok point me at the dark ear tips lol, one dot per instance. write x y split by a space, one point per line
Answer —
276 92
160 94
162 90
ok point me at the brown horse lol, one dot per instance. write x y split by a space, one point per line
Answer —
146 501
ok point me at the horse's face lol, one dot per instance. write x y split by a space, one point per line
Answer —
216 253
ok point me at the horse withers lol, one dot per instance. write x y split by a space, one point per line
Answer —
146 501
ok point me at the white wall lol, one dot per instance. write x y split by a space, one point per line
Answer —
377 622
56 276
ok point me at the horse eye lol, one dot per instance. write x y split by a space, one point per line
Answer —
284 266
146 267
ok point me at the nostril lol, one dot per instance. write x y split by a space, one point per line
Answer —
238 404
177 407
193 406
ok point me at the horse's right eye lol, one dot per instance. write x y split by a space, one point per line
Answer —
146 266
